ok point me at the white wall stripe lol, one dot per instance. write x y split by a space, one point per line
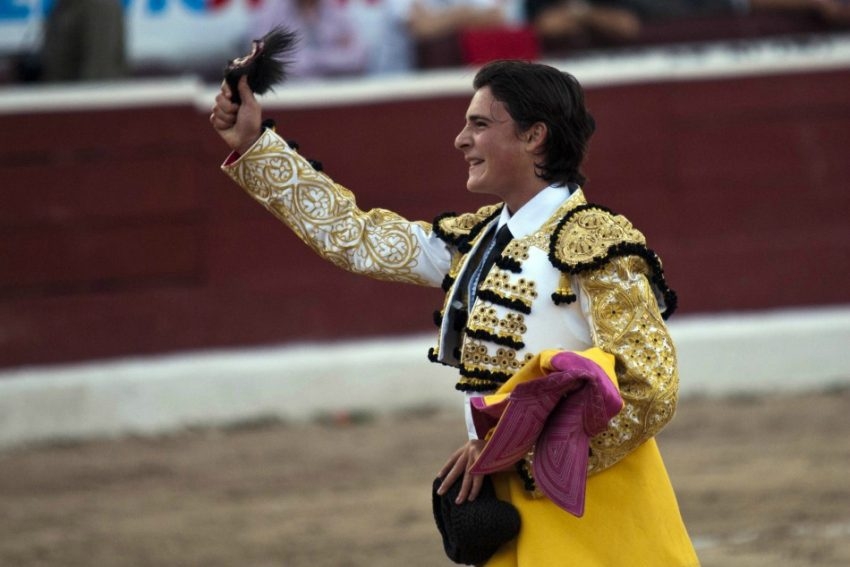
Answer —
595 69
780 350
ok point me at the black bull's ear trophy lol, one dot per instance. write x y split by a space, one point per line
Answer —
266 64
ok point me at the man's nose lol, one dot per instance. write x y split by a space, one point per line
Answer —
462 139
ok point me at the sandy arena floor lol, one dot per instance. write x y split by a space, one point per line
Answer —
762 481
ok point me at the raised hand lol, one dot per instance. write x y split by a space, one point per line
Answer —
237 124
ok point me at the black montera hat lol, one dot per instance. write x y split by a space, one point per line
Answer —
473 531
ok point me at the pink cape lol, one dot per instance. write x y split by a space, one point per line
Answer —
556 415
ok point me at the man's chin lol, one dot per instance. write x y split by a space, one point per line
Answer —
473 187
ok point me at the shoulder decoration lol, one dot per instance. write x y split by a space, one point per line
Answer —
461 230
591 235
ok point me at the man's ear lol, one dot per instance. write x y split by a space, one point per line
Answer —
536 136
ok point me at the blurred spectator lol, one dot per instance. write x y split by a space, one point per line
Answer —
84 40
433 18
649 10
372 23
388 30
832 11
573 18
622 19
327 45
431 22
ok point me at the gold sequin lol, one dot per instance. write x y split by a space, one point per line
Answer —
476 357
517 249
504 285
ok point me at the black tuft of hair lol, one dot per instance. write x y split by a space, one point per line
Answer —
266 65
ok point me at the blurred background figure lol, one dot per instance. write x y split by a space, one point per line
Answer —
435 28
373 24
573 18
433 18
328 43
650 10
621 20
373 37
84 40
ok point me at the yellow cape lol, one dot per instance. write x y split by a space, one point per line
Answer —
631 515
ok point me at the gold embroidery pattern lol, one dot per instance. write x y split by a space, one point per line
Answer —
512 327
627 324
521 290
476 358
517 249
590 233
457 262
377 243
462 225
542 237
476 384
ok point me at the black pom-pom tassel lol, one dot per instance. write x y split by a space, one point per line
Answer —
563 298
438 318
266 64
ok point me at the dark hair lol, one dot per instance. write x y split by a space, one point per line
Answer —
533 92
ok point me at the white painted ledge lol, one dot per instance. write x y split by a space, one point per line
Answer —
782 350
651 64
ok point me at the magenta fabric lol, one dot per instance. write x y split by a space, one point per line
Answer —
556 415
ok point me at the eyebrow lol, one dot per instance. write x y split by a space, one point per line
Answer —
474 117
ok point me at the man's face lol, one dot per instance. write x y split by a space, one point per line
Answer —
500 162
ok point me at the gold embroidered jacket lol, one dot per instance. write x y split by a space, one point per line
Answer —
584 278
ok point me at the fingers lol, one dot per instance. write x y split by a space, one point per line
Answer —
470 486
224 112
450 472
223 102
225 90
222 120
477 483
237 124
450 463
245 92
457 467
465 488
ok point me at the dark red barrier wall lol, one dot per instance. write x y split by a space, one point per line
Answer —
120 236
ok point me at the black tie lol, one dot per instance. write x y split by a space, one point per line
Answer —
493 251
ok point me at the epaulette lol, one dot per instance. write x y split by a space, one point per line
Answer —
591 235
587 237
461 230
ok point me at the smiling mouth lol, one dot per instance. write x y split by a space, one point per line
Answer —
473 162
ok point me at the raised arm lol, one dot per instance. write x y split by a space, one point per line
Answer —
377 243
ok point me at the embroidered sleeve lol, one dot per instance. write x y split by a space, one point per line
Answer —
625 322
323 214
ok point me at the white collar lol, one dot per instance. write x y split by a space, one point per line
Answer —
531 216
